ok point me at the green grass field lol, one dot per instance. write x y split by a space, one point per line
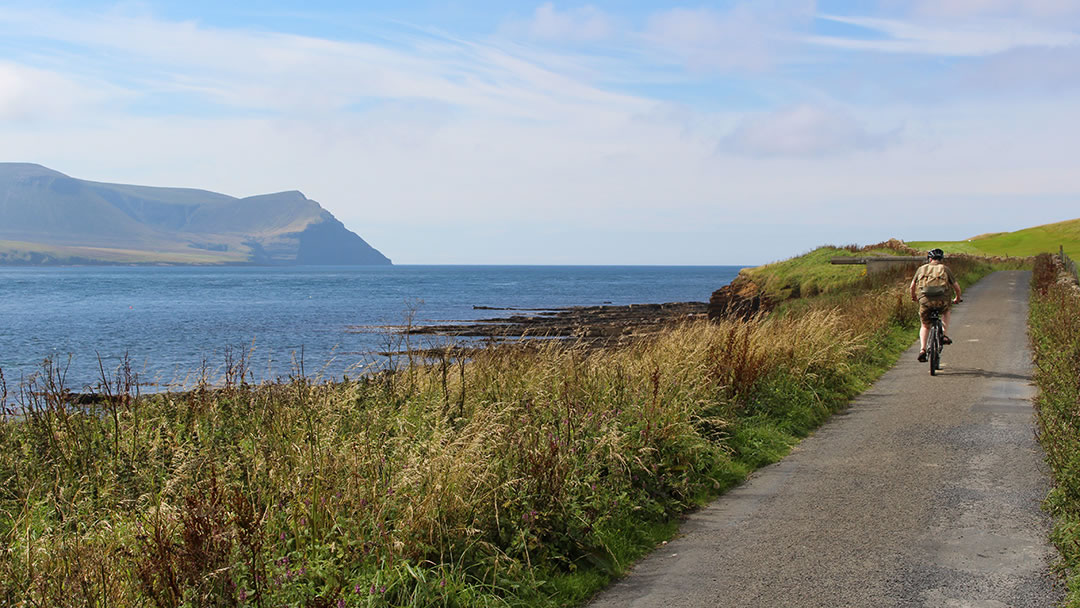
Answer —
1027 242
19 252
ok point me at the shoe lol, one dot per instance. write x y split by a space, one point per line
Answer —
922 356
946 340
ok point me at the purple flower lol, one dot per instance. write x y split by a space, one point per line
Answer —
243 595
356 589
341 603
442 583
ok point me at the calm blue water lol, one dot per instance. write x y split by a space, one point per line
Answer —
169 320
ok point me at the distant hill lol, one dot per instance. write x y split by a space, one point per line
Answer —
1029 241
47 217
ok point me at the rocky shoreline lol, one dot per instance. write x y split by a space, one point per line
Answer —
586 322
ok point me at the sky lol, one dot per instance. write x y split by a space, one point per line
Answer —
607 132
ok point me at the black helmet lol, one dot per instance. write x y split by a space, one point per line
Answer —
935 254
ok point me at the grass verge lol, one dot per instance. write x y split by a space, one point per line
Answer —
530 475
1055 337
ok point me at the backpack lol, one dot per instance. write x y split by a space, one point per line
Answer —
933 281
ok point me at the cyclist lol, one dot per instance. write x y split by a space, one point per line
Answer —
933 280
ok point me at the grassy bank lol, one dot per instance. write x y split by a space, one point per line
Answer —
528 476
1055 336
811 274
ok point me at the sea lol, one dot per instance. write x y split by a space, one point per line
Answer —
174 325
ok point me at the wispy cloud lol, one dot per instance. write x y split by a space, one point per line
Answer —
971 40
804 131
584 24
748 36
257 70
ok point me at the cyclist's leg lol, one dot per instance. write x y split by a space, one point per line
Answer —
924 318
924 331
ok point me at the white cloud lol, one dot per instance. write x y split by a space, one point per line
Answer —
747 37
428 137
29 94
804 130
1010 8
580 25
1025 72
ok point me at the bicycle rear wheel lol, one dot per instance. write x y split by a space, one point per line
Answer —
933 348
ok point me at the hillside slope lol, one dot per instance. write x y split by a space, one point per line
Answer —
47 217
1027 242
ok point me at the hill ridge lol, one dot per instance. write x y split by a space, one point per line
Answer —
47 217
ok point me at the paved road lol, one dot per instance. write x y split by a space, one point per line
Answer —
925 492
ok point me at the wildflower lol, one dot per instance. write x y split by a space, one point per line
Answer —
442 583
243 595
356 589
341 603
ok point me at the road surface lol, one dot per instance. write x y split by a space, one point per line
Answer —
925 492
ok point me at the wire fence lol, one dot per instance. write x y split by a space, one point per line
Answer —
1069 263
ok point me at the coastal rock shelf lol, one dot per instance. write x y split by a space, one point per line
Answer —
591 322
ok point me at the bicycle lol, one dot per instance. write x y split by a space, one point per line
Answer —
935 339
